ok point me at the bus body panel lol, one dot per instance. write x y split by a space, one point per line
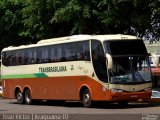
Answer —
53 89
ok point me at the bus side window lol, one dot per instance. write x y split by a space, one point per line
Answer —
19 60
80 56
45 55
98 60
59 54
5 59
13 61
52 54
32 56
86 51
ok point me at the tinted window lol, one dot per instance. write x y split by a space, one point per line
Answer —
47 54
125 47
99 61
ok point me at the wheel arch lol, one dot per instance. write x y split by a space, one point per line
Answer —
26 88
84 87
17 88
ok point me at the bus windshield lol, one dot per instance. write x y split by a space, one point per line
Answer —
130 64
130 70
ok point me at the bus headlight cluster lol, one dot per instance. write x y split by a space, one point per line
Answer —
116 90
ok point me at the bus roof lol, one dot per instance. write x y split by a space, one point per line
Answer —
73 38
86 37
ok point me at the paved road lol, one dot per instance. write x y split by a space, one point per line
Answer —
75 110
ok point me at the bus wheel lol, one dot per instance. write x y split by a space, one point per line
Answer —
86 98
28 97
19 97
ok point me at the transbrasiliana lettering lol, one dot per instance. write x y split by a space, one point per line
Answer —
53 69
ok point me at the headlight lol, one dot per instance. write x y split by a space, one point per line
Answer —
116 90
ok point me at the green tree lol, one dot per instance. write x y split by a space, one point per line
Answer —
25 22
108 16
36 19
75 12
154 31
10 22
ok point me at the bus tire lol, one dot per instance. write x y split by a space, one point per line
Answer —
86 98
19 97
28 97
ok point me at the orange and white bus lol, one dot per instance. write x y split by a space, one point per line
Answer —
83 68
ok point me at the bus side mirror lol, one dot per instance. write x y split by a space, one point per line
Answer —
110 62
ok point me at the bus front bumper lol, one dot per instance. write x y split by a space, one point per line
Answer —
129 96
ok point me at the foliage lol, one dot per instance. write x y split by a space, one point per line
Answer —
10 22
154 31
27 21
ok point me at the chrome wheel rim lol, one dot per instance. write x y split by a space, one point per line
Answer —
28 97
86 98
19 96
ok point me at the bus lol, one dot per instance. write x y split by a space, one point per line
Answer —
155 70
85 68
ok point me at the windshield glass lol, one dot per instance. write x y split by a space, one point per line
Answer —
130 62
130 70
